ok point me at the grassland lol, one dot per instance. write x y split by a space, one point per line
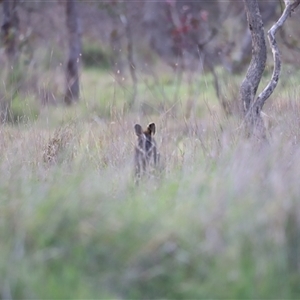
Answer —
219 218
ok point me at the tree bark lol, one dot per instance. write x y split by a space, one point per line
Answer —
132 66
266 93
253 106
259 55
72 73
268 11
10 29
254 123
10 37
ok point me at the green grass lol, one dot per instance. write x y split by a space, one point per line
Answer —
219 219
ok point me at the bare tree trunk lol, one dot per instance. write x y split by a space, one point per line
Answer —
256 68
259 55
268 13
127 23
10 29
72 92
10 35
116 47
252 105
130 59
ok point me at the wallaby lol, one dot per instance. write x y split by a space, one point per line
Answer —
145 149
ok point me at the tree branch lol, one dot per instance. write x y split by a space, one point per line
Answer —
252 105
266 93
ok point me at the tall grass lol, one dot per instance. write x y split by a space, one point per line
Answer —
219 219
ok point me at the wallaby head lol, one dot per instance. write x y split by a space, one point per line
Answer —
145 138
145 148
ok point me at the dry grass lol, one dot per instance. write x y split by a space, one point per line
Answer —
220 219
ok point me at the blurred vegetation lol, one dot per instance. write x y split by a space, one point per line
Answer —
24 109
95 56
219 220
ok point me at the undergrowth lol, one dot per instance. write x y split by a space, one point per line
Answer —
220 218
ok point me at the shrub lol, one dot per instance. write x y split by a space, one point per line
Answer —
93 55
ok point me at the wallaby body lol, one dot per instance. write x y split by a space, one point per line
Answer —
145 149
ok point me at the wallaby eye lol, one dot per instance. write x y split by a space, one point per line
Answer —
138 129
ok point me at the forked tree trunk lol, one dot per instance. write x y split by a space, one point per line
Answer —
256 68
253 105
72 73
268 13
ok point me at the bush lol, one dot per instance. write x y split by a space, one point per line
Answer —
93 55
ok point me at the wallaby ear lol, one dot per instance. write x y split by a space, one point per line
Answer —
151 128
138 129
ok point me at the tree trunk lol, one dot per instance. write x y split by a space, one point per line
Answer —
256 68
10 37
132 67
252 105
10 29
259 55
268 11
72 91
